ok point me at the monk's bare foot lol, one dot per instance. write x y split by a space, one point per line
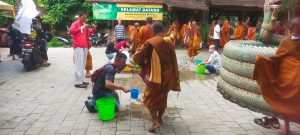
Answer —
155 126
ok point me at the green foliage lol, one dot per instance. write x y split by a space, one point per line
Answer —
204 31
56 43
12 2
288 4
63 11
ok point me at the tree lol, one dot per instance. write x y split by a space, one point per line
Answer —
60 13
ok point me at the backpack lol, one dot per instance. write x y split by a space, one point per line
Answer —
97 72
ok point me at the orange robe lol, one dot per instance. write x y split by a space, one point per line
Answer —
134 37
251 33
194 42
145 33
89 60
211 35
183 32
159 71
279 79
239 33
130 29
173 30
224 33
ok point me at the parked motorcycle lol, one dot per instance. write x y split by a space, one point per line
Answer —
31 52
98 39
32 55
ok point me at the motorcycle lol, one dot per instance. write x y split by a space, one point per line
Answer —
32 56
98 39
31 52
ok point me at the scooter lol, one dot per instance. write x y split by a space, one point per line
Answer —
98 39
32 56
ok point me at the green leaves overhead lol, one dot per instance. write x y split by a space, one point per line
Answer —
63 11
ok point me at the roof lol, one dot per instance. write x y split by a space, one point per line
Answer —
238 3
5 6
185 4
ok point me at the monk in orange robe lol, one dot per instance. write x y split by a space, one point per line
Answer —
238 31
224 33
211 33
194 41
183 33
134 37
89 62
279 76
251 31
145 32
159 71
130 28
174 28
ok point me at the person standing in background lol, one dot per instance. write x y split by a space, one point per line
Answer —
89 62
251 31
134 37
225 33
217 33
238 31
80 32
120 31
145 32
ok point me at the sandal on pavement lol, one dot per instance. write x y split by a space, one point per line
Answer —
264 122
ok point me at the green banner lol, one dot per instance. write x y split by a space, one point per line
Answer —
111 11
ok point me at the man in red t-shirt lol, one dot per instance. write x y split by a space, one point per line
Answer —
80 32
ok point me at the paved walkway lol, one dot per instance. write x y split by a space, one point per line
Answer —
45 101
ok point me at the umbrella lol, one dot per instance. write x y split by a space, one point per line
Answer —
7 7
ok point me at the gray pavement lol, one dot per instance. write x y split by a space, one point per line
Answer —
45 101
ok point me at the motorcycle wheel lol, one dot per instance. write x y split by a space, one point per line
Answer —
27 62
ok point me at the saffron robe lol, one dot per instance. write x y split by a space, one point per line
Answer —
224 33
278 78
159 70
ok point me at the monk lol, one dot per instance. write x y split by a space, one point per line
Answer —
89 62
134 37
174 30
238 31
145 32
225 33
130 28
211 33
251 31
159 71
184 34
194 41
279 76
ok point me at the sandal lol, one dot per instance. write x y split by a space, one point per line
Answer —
264 122
274 122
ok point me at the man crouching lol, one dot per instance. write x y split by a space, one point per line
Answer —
104 83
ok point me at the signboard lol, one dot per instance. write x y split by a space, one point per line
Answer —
112 11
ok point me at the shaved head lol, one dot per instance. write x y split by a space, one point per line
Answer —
158 28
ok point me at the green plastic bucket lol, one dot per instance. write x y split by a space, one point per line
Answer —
106 108
200 69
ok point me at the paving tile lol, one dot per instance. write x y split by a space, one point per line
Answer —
51 105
